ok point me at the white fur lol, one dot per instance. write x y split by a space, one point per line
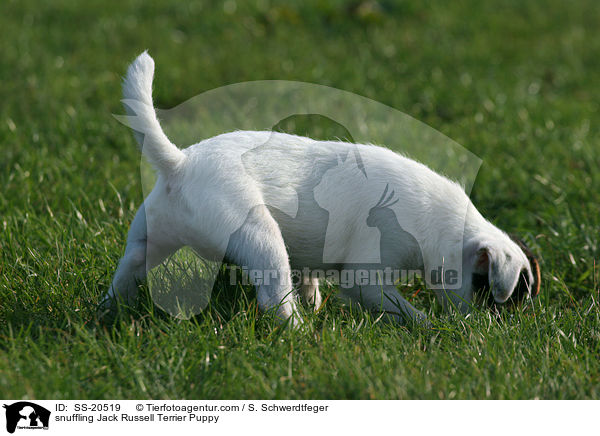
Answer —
211 190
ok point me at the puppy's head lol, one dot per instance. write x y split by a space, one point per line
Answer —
504 271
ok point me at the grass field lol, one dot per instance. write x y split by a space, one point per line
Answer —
516 83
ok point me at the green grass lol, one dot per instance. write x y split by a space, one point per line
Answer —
514 82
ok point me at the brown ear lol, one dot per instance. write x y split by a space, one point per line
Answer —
535 266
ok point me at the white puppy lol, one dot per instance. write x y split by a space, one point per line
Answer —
274 202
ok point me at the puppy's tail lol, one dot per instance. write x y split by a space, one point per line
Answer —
137 93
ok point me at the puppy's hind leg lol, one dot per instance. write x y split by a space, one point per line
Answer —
141 254
258 247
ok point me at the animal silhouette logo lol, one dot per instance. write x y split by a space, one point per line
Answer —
26 415
383 217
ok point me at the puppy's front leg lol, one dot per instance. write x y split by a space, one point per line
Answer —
394 304
388 300
258 247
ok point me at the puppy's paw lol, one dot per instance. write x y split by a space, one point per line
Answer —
109 310
292 322
295 322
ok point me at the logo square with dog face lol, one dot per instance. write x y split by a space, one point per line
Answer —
25 415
